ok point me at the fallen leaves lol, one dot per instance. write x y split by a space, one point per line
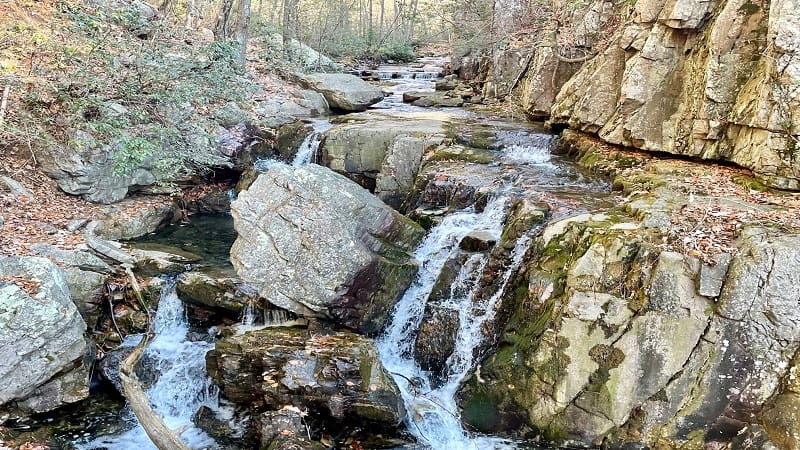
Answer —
26 284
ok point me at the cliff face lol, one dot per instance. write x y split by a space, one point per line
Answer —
713 79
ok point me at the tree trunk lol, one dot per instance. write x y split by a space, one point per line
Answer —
289 14
244 29
221 27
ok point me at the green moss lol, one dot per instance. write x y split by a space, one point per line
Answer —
464 154
481 411
751 183
606 357
749 8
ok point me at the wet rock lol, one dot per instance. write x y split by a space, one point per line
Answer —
477 241
222 430
383 155
427 99
338 376
453 185
445 84
41 338
150 263
217 201
317 244
395 180
436 340
343 91
109 367
610 339
290 136
286 430
230 294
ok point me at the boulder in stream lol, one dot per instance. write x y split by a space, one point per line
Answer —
338 376
343 91
315 243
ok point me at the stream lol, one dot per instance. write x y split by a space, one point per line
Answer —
523 167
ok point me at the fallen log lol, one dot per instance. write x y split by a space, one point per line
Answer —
159 433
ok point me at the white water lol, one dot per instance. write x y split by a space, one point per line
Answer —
538 155
252 319
307 152
432 413
182 386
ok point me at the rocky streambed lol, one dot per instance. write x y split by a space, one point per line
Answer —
434 277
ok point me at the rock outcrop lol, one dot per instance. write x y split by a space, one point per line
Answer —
42 343
714 80
337 376
315 243
614 339
343 91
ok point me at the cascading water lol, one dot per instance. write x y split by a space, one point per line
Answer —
432 413
308 149
182 386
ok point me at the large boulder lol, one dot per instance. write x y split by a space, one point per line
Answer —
315 243
343 91
42 342
336 376
382 154
613 339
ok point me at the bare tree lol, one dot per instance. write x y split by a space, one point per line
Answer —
244 30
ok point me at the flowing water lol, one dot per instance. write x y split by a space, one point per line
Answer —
182 385
432 412
307 152
523 166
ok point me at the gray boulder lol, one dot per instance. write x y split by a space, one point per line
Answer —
315 243
343 91
42 342
339 376
383 155
87 170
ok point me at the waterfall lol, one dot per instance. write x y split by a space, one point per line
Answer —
182 386
432 413
253 319
308 149
427 75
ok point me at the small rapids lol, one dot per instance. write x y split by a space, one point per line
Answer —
308 149
432 412
182 385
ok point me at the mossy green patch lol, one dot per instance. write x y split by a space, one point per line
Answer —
464 154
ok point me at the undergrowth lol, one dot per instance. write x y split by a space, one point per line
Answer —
121 83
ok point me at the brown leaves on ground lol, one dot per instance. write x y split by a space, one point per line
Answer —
720 201
43 219
26 284
46 217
